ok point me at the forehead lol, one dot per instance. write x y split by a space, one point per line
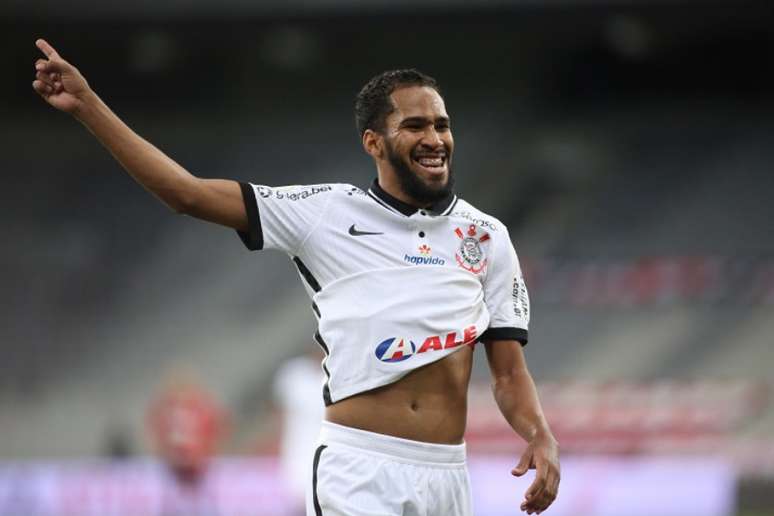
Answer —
417 101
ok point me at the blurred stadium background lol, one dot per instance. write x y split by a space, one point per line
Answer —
628 146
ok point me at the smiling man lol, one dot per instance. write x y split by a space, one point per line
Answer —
405 278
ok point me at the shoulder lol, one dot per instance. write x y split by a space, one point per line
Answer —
463 212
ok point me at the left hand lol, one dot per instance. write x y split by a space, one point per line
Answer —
542 454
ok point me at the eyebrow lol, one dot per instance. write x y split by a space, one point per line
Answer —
422 120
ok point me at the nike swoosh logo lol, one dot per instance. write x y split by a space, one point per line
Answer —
355 232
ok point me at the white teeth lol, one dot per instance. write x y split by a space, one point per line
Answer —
431 162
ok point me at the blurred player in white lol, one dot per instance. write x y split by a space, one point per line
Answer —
405 279
296 393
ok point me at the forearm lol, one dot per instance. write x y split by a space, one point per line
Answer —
517 399
150 167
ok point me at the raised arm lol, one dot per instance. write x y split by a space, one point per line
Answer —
516 396
61 85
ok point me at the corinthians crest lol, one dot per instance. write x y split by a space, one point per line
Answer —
470 256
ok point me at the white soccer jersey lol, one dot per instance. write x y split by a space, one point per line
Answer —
393 287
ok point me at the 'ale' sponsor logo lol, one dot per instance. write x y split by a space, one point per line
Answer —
398 349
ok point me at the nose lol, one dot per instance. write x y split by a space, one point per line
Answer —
431 138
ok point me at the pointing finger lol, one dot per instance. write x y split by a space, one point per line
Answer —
47 49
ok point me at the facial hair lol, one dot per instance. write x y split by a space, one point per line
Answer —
413 186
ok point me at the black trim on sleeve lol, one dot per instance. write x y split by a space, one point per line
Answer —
307 274
507 333
315 465
253 238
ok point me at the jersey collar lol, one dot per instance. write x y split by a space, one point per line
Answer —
442 207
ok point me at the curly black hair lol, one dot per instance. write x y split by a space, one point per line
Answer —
373 104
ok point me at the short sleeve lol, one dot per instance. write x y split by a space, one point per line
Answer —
282 217
505 295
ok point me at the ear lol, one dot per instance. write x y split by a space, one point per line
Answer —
373 143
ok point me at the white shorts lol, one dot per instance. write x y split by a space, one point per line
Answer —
359 473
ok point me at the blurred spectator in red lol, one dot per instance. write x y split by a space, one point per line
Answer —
186 426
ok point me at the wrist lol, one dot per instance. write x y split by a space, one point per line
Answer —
87 107
545 437
542 433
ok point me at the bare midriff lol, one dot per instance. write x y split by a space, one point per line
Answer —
429 404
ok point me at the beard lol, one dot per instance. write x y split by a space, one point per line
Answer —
414 186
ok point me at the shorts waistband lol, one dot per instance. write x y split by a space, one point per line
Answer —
404 450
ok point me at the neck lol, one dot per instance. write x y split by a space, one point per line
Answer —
390 184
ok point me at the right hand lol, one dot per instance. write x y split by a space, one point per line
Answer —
58 82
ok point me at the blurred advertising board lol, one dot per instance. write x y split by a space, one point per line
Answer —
593 485
613 486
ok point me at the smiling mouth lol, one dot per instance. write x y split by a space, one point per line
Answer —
433 163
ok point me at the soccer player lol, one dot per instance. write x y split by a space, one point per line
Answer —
405 279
